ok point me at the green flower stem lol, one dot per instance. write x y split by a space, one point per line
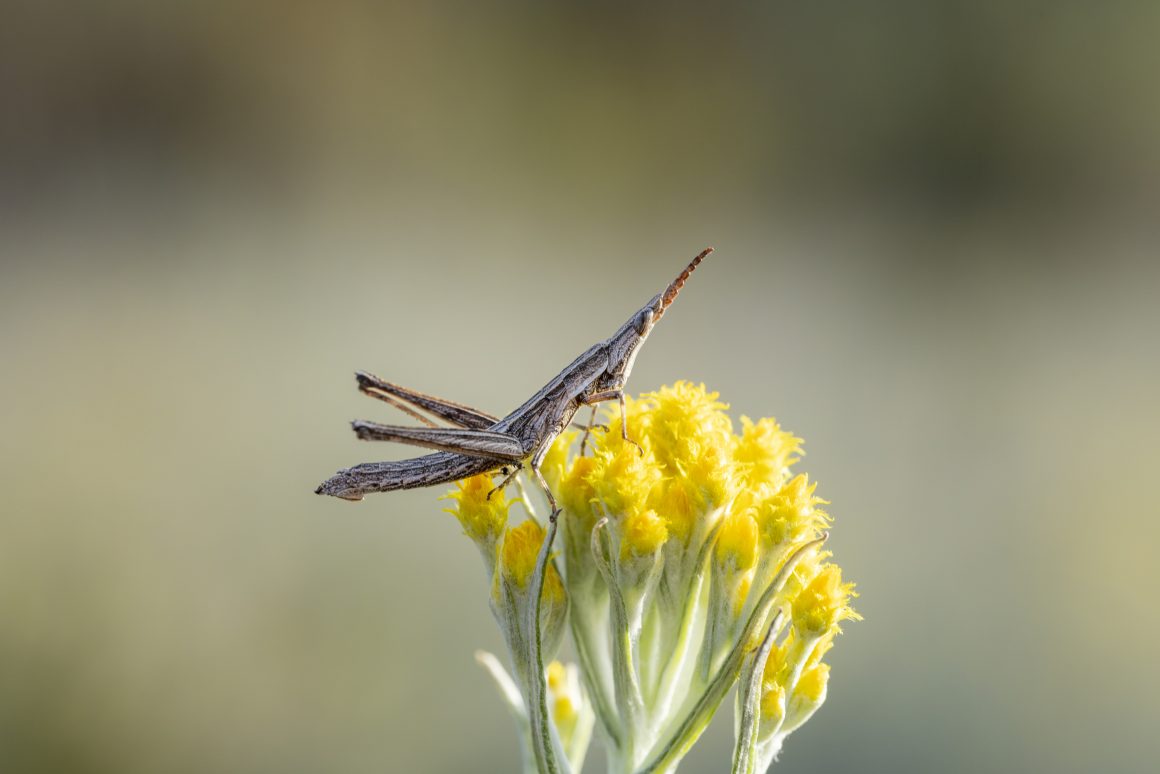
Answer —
543 741
749 706
587 617
763 575
671 677
628 697
669 753
715 627
651 657
679 669
591 672
576 750
511 695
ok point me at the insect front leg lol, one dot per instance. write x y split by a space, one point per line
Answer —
617 395
588 429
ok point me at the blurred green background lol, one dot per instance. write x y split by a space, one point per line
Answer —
936 226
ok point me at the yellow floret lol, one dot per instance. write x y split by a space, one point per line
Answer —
575 489
521 547
557 676
556 460
820 650
624 480
709 468
554 597
678 503
741 594
687 412
564 709
811 685
736 549
772 684
639 413
642 534
823 603
482 519
776 665
692 438
772 705
791 514
764 452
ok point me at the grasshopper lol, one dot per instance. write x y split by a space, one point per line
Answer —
478 442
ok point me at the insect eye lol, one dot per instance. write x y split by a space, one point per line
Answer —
644 321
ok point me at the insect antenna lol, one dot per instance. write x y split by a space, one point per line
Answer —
676 285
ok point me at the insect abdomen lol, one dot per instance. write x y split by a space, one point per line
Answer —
429 470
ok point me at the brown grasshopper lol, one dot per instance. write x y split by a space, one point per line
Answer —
481 443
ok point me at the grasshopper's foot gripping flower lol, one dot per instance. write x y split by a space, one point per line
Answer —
687 567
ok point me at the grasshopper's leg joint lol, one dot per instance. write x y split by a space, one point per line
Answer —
508 476
624 424
592 423
537 459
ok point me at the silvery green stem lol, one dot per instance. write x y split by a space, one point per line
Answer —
576 750
594 667
588 621
624 679
544 741
716 635
680 663
767 566
749 707
667 754
515 703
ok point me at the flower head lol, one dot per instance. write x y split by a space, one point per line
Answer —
482 513
518 554
737 542
790 514
688 549
823 603
623 479
642 533
765 452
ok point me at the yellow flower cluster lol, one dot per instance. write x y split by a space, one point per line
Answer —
795 679
681 543
693 479
689 464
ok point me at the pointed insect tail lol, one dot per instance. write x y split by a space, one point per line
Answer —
675 286
341 485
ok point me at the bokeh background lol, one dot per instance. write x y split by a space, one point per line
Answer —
936 226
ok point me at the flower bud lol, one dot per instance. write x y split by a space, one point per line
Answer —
790 514
642 534
483 519
518 554
823 603
764 452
